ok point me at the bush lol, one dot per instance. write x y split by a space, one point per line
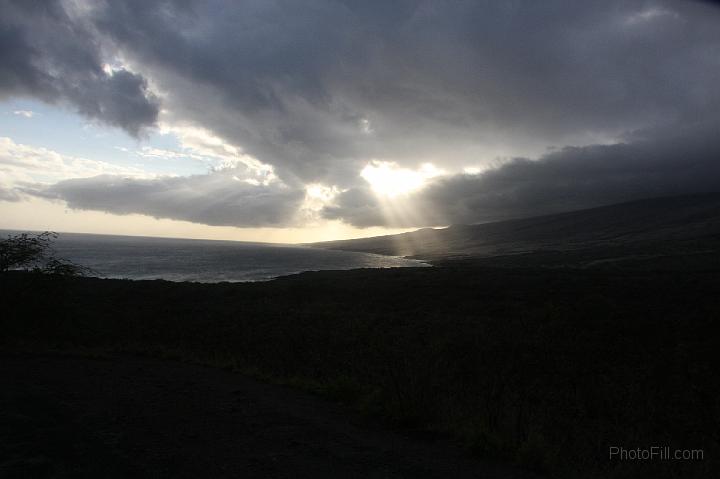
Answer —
34 252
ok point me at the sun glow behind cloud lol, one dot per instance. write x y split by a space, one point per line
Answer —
395 186
387 179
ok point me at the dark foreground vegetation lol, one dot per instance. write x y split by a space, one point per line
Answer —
34 252
547 368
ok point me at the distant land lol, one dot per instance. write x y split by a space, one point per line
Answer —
669 232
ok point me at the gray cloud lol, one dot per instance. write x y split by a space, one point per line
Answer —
9 194
218 198
449 82
655 163
48 54
318 88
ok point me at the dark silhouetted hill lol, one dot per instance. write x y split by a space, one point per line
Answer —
647 233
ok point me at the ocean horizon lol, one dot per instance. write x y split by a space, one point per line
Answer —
206 261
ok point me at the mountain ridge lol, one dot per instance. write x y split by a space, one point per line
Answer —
662 226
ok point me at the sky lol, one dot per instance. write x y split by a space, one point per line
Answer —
307 120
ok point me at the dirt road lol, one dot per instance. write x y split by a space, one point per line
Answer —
122 416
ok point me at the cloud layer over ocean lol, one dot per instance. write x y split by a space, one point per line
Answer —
551 105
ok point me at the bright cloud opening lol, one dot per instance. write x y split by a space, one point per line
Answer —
25 113
203 144
388 179
317 197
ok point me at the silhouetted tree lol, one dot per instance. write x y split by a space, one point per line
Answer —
34 252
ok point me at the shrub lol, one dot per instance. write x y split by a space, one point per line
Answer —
34 252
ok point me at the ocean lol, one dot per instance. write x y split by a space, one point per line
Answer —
206 261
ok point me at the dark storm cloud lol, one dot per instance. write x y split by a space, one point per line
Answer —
217 198
317 88
449 82
47 54
654 163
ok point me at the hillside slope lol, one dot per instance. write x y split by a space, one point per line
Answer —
672 226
